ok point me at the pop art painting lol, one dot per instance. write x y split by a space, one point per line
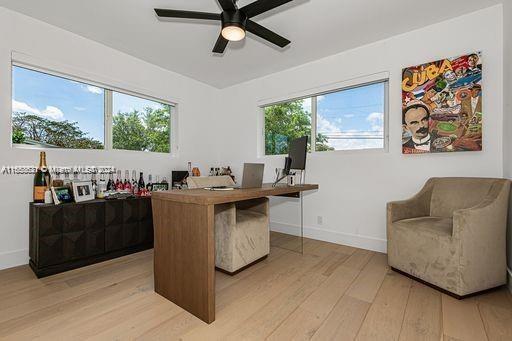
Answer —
442 106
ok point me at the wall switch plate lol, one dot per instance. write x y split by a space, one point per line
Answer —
319 220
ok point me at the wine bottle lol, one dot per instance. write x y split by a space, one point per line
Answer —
141 181
41 179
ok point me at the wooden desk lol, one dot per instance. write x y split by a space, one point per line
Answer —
184 256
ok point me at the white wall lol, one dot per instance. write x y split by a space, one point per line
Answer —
75 54
355 186
507 113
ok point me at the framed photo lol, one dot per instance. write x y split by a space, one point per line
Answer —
82 190
160 187
61 194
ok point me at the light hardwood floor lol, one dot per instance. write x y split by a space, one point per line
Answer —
332 292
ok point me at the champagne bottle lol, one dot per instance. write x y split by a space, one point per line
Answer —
135 188
41 179
149 186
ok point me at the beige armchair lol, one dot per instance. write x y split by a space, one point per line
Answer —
452 234
241 228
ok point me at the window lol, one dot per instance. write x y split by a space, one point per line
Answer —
347 119
54 112
140 124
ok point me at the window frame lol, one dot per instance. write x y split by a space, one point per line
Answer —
107 111
314 94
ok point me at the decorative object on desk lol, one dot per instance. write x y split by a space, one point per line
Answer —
61 195
158 187
82 191
291 179
42 179
102 187
48 199
189 168
179 179
442 106
196 171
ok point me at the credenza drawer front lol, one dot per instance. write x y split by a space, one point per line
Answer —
94 216
74 245
74 218
49 220
50 250
95 244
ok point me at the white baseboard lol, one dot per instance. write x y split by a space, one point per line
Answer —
509 280
13 258
363 242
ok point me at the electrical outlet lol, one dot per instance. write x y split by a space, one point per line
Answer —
319 220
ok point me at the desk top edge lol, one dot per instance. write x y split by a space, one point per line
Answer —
207 197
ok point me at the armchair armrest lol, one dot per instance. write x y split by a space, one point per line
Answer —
487 216
480 233
417 206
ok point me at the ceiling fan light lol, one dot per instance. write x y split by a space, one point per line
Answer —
233 33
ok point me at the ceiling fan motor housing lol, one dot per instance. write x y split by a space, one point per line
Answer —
234 18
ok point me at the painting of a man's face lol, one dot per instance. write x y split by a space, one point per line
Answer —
473 60
416 121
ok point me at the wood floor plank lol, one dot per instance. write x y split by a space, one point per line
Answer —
497 320
423 315
303 323
261 324
359 259
368 282
231 313
385 316
461 319
344 321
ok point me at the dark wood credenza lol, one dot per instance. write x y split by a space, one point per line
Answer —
72 235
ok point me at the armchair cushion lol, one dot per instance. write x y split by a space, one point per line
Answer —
433 225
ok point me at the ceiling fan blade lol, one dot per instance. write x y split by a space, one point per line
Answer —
262 6
171 13
266 34
220 45
227 5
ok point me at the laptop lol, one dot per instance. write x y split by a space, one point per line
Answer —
253 175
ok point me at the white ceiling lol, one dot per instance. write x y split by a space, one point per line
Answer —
317 28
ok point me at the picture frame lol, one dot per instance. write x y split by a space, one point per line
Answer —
82 191
159 187
61 195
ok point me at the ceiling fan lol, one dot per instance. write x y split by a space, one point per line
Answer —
235 21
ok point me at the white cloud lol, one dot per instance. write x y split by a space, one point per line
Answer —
50 112
79 108
376 119
325 126
320 98
53 112
24 107
94 89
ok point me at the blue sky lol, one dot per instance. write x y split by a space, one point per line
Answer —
350 117
60 99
